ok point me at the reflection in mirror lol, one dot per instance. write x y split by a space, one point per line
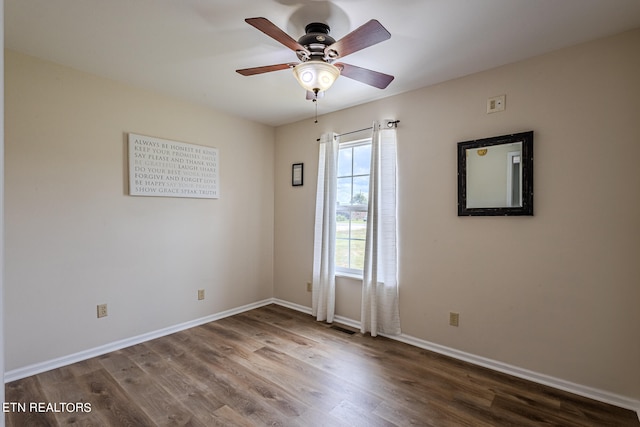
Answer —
495 176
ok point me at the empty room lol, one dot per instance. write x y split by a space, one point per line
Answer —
320 213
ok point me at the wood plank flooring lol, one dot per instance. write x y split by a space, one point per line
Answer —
278 367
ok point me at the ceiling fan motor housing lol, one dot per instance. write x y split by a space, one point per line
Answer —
316 40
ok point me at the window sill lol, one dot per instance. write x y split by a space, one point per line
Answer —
349 275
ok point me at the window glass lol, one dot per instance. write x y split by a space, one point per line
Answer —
344 191
360 192
345 162
362 159
354 160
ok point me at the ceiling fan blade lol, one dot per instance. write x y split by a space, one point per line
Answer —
270 29
364 36
264 69
370 77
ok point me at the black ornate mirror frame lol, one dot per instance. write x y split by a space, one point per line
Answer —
527 175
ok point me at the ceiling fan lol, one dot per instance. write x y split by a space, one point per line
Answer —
317 51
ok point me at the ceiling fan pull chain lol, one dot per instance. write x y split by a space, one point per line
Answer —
315 101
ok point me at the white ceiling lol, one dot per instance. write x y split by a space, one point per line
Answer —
191 48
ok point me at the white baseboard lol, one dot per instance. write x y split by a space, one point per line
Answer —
37 368
581 390
292 306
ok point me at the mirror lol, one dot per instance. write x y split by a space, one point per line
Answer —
495 176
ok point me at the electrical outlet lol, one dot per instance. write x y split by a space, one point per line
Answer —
454 319
102 310
200 294
309 288
495 104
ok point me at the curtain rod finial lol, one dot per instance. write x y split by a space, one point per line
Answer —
390 124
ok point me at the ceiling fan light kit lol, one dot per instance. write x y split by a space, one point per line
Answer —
317 51
316 76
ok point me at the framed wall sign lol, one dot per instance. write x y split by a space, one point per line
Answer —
164 168
297 174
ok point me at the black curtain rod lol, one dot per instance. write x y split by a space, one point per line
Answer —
349 133
395 122
353 131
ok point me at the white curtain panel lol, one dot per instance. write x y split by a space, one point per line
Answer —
324 276
380 312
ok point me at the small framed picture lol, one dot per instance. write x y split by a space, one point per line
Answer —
297 174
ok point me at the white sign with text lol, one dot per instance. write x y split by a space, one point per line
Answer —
163 168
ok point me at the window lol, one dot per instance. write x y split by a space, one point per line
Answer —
354 161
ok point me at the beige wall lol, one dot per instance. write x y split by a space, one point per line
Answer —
556 293
75 239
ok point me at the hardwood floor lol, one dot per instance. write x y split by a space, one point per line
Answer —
275 366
